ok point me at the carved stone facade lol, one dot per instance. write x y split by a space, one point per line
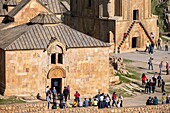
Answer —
111 20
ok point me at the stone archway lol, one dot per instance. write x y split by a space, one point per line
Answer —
56 78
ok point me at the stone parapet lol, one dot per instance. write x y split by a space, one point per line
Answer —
42 107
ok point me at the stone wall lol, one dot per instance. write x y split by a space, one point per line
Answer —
2 71
42 107
26 72
87 71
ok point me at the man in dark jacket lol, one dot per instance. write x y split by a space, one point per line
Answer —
65 92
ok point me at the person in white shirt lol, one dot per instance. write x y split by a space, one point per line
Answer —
46 90
147 46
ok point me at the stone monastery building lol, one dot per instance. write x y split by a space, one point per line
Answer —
37 49
126 24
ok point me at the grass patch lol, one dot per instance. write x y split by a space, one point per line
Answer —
11 100
122 79
127 60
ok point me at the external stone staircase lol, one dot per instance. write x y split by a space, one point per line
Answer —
125 36
129 30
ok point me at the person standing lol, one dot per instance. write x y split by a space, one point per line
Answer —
77 96
65 92
54 94
68 88
150 63
159 80
46 90
160 67
147 46
61 97
121 100
147 86
152 35
163 86
114 99
143 79
159 43
167 68
48 100
166 45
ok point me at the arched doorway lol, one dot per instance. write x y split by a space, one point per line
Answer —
56 78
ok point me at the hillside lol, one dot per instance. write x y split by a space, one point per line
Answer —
161 8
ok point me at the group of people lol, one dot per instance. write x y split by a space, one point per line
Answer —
150 47
53 94
100 100
167 66
150 85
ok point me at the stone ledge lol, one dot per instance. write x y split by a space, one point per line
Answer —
40 107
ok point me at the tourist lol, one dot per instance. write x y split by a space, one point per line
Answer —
166 45
152 48
48 100
154 79
159 43
75 103
68 88
147 46
101 103
167 68
46 90
150 63
121 100
66 93
152 36
149 101
168 98
61 97
155 101
90 102
163 86
107 100
147 86
114 99
160 67
118 102
54 104
98 96
95 102
80 104
54 93
163 98
77 96
143 79
108 95
150 86
62 105
85 103
159 80
49 93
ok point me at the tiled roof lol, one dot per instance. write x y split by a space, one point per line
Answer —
44 18
65 5
52 5
39 36
3 11
11 2
21 4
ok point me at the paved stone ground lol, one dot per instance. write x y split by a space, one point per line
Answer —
140 65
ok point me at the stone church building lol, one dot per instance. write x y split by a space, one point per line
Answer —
38 50
126 24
